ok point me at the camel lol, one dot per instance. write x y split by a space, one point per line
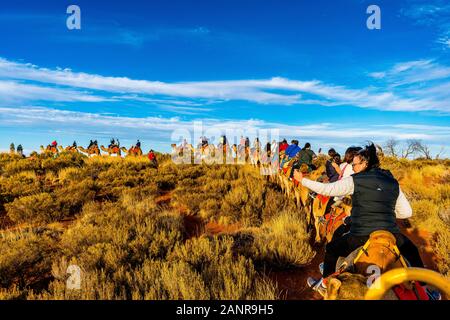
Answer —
243 154
326 223
49 149
254 156
68 149
92 150
179 150
111 150
355 272
133 151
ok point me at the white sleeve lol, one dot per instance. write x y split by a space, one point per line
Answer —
339 188
403 209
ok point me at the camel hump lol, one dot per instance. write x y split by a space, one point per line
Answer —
380 250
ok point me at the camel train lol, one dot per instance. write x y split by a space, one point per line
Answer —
326 215
93 149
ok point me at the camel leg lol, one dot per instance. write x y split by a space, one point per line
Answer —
317 226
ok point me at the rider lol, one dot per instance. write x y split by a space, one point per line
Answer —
283 145
151 155
257 144
91 143
346 165
112 143
138 144
54 143
377 201
292 149
332 168
223 140
20 149
74 144
242 142
306 155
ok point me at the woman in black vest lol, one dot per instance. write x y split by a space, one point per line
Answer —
377 202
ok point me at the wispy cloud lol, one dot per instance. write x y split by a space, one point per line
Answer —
13 91
413 71
276 91
55 120
431 13
421 81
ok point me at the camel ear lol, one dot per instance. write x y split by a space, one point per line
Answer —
333 289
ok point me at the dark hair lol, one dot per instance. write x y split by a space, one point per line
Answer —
331 152
369 154
284 141
294 142
337 158
350 153
307 145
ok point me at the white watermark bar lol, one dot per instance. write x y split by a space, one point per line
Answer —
218 145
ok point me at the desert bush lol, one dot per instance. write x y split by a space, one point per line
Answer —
227 276
39 207
441 247
283 241
71 174
21 184
25 258
13 167
63 160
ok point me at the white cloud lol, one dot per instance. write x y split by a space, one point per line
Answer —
78 122
277 91
16 91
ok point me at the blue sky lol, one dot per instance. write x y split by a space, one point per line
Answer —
142 70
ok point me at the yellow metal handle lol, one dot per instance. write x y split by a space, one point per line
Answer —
397 276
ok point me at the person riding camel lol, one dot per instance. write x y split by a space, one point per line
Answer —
377 201
283 145
292 149
54 143
204 141
331 167
306 156
346 165
138 144
247 142
151 155
74 144
257 144
242 142
20 150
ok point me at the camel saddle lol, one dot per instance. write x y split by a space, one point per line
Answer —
380 250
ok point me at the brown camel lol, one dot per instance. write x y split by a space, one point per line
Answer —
352 278
133 151
111 150
67 149
93 150
49 149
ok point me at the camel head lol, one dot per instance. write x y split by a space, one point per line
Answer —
346 286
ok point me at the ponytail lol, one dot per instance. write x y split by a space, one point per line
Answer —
369 154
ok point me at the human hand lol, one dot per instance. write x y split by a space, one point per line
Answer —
298 175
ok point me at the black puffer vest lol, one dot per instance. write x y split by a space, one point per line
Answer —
373 202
